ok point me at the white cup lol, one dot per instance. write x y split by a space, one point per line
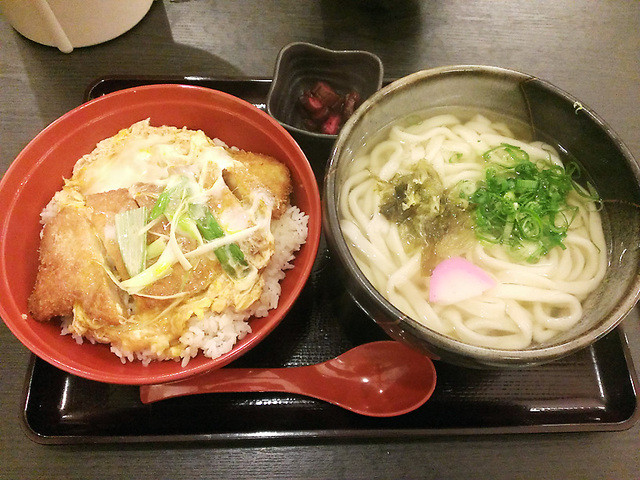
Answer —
67 24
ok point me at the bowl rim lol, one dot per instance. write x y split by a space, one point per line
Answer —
327 51
487 356
11 189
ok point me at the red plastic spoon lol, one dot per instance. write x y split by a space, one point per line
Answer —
379 379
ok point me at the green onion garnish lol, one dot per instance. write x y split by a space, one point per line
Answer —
132 239
230 256
181 203
161 204
523 206
155 248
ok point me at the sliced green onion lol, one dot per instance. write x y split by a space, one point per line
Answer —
206 222
232 261
156 248
132 239
171 202
180 204
173 244
161 204
523 205
230 256
523 185
155 272
505 155
188 227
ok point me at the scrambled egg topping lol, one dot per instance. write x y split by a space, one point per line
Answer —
203 253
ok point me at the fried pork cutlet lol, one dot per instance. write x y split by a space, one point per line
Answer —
104 207
179 281
77 244
146 194
71 272
260 172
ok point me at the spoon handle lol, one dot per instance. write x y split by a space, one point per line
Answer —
230 380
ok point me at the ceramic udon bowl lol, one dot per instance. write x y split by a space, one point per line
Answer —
539 107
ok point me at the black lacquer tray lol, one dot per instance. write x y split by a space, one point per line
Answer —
593 390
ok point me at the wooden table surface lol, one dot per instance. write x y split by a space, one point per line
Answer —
590 49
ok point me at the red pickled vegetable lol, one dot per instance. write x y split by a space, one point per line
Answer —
331 125
321 114
325 110
351 101
311 104
326 94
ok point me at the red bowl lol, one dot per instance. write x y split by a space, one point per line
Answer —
38 171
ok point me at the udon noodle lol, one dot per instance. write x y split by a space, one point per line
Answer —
531 302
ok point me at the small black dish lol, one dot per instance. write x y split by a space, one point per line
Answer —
300 65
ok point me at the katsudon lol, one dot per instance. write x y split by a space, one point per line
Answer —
164 243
